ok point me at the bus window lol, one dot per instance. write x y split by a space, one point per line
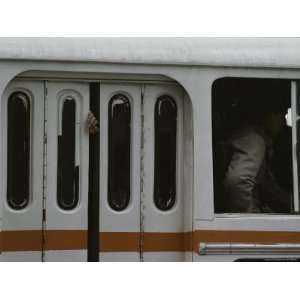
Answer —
67 172
18 150
165 153
119 140
252 146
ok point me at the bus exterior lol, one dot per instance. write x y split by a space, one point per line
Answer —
143 188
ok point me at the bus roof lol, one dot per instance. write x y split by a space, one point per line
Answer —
227 52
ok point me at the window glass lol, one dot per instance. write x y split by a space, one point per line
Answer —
119 140
67 171
18 150
165 153
252 146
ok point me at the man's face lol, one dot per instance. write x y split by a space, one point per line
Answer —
274 123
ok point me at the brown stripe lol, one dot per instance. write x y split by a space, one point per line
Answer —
119 241
31 240
163 241
65 239
150 241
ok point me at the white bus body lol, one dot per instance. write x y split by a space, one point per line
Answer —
50 71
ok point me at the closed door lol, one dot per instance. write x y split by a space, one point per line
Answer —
45 173
44 187
141 206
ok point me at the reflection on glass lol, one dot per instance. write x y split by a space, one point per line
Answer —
165 153
119 139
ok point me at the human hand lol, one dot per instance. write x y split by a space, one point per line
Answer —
92 123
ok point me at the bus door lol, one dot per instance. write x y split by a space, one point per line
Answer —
22 134
66 171
120 137
141 205
162 196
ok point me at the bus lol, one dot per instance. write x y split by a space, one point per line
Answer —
145 186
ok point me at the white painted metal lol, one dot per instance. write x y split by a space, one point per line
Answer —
66 256
129 219
295 118
188 165
57 218
119 257
29 218
197 82
251 222
21 256
164 256
241 52
155 220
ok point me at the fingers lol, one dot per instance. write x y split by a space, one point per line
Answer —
92 123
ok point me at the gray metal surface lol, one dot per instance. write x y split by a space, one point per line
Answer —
240 249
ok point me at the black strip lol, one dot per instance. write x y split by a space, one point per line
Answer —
270 259
93 208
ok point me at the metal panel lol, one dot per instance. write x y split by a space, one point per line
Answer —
127 220
56 217
155 220
29 218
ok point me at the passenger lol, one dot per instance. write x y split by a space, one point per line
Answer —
249 184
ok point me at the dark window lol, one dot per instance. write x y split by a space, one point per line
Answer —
119 139
67 171
252 146
18 150
165 153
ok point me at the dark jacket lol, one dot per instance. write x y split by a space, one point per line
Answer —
249 184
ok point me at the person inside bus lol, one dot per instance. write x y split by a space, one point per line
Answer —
250 185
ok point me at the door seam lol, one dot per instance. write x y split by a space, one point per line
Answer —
44 172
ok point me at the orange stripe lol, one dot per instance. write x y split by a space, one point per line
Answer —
150 241
163 241
31 240
65 239
119 241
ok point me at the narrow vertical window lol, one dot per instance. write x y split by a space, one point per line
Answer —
18 150
119 139
165 153
67 171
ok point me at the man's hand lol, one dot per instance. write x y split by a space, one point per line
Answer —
92 123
